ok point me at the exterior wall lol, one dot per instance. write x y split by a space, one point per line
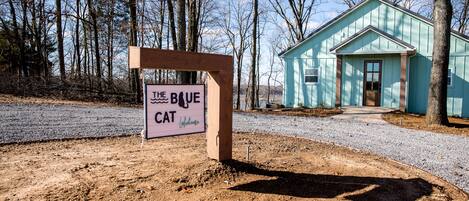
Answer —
458 92
297 93
393 21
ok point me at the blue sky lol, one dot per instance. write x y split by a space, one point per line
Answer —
325 11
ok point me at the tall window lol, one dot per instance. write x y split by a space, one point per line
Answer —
312 75
450 77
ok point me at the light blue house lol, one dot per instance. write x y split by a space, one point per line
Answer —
374 54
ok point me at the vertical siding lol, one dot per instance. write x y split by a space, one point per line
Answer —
390 81
392 21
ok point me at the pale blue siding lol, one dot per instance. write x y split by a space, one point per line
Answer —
411 29
371 43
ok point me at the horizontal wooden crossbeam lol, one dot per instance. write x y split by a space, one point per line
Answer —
150 58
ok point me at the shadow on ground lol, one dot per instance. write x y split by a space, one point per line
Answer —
305 185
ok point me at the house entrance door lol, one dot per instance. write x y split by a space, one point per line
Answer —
372 83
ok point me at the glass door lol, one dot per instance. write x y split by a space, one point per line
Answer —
372 83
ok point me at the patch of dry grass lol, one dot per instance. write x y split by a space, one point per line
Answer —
458 126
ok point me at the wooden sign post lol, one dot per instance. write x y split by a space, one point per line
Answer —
219 91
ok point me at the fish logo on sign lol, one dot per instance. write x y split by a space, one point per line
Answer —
159 98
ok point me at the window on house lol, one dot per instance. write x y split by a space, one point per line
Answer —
312 75
450 77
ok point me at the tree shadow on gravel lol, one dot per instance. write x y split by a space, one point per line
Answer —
305 185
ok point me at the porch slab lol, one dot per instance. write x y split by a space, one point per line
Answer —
364 114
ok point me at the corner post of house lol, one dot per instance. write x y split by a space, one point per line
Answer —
403 81
338 82
220 114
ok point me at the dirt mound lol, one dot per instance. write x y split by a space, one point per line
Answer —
200 175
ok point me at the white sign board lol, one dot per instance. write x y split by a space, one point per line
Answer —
174 110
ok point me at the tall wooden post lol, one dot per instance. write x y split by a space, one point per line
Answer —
219 111
338 82
403 81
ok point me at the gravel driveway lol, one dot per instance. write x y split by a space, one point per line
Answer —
446 156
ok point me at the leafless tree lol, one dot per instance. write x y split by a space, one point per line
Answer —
461 15
254 54
60 39
236 25
296 14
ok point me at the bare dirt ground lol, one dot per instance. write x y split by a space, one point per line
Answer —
458 126
176 168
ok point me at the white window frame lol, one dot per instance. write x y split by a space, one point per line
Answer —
305 75
450 77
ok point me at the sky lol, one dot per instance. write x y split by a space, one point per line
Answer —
325 11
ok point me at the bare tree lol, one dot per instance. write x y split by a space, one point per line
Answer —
352 3
110 40
461 15
172 23
136 86
236 26
436 109
193 32
60 39
77 40
296 14
254 54
274 46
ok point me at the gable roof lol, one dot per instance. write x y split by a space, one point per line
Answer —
370 28
350 10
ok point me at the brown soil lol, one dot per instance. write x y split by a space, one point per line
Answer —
458 126
301 112
11 99
176 168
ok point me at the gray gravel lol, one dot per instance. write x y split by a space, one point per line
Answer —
446 156
23 123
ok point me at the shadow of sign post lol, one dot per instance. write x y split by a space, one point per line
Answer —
219 89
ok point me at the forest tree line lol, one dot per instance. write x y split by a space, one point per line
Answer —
74 47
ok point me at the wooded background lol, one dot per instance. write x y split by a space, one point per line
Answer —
77 49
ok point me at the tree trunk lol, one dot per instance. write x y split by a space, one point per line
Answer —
19 43
184 76
437 92
172 25
193 34
23 38
110 39
238 79
160 36
181 20
136 86
77 42
60 39
94 23
254 57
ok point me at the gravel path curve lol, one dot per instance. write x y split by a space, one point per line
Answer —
446 156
